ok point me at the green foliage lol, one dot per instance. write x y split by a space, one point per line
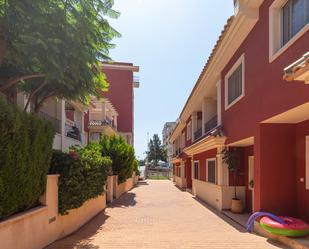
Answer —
156 150
136 167
83 174
25 153
122 155
231 157
57 46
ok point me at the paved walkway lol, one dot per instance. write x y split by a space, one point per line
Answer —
158 215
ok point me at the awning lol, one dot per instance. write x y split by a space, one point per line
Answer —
298 70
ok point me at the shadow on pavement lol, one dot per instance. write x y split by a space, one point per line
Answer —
126 200
228 220
232 223
81 239
142 183
276 243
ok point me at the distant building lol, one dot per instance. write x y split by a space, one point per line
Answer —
122 82
166 133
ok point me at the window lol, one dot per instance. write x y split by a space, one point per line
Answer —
234 83
307 162
189 131
295 15
196 170
211 170
288 21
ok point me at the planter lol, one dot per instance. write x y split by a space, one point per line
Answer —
237 206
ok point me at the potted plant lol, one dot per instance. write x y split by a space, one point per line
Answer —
231 157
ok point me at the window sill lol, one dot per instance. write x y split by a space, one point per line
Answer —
300 33
234 102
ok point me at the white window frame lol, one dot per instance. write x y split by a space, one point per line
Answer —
275 31
211 160
240 61
307 162
198 171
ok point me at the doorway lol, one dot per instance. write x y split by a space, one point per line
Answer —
251 182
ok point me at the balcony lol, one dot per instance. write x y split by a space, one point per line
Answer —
56 123
72 131
136 81
104 122
198 133
211 124
177 152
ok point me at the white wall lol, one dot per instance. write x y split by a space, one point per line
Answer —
219 197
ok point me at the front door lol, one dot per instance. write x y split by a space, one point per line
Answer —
189 174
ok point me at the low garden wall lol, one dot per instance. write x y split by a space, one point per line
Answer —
38 227
219 197
124 187
180 182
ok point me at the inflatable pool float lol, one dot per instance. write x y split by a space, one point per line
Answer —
284 226
290 227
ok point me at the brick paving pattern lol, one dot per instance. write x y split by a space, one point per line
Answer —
157 215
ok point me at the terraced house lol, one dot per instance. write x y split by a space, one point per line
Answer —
252 94
76 124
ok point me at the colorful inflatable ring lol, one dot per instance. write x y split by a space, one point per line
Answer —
291 227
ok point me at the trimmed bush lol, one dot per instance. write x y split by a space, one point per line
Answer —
136 167
25 153
83 174
122 155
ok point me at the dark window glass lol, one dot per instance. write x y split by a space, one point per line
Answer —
295 15
235 84
211 171
196 170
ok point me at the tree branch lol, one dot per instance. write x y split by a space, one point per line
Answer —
40 103
12 81
32 95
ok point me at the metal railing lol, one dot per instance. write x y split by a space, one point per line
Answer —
211 124
72 131
198 133
56 123
109 122
105 121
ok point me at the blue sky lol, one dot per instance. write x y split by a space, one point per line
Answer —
170 40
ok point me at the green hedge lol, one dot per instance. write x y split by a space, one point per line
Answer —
25 153
122 155
83 173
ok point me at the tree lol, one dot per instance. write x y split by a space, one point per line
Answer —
122 155
53 48
231 157
156 150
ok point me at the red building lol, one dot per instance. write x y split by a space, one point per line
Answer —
242 99
122 82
